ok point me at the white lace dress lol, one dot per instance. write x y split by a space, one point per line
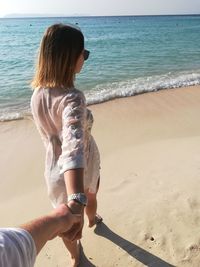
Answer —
64 124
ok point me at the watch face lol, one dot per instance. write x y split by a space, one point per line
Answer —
83 199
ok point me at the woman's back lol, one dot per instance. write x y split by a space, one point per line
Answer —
47 106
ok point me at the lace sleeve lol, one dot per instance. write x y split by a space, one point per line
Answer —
73 134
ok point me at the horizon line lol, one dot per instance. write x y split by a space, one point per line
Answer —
29 15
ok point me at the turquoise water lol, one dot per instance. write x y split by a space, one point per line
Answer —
129 55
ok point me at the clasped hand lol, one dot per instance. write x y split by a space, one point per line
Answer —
72 218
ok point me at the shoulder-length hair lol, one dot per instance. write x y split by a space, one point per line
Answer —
59 51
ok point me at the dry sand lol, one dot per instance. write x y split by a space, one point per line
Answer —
150 182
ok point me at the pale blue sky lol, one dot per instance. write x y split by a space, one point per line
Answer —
100 7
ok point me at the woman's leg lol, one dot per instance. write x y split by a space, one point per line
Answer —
91 208
74 250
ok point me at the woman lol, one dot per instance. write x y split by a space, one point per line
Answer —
59 110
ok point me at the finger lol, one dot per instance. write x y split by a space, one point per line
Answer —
71 220
71 234
75 235
78 235
77 218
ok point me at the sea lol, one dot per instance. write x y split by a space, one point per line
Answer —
129 55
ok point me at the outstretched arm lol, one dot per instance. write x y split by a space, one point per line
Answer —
73 159
47 227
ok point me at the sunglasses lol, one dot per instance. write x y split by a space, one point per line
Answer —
86 54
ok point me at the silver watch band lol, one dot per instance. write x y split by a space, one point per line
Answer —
79 197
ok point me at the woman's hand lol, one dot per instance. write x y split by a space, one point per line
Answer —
75 232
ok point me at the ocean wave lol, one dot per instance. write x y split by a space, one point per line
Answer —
11 116
108 91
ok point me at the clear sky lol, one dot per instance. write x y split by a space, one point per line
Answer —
100 7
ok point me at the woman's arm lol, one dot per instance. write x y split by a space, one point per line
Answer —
72 159
74 181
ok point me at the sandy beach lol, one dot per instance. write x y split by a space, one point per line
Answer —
149 192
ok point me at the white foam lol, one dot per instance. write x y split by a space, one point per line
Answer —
11 116
108 91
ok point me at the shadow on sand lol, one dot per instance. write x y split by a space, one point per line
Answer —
136 252
84 260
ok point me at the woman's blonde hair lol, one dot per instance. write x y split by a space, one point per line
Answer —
59 51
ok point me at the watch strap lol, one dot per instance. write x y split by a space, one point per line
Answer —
78 197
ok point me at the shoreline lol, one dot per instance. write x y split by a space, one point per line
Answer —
149 193
26 115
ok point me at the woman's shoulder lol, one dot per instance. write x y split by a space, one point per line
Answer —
38 91
72 96
59 93
75 92
35 95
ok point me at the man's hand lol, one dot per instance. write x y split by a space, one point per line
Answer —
68 222
57 223
75 232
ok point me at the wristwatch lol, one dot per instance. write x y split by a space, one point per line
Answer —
78 197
